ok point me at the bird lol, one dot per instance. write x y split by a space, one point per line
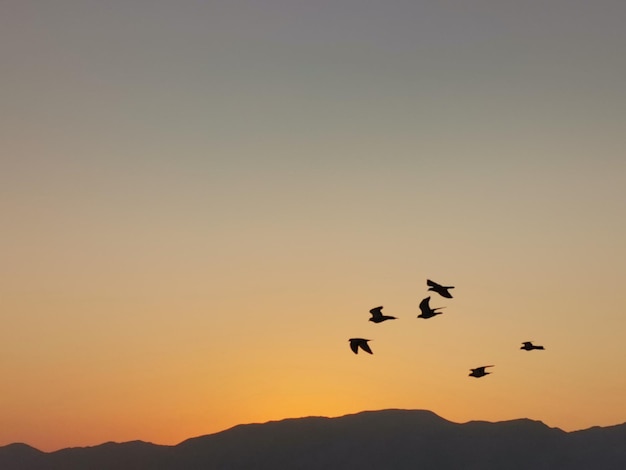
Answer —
356 343
378 317
428 312
479 372
441 290
529 346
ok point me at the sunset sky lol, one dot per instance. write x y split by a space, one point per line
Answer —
201 200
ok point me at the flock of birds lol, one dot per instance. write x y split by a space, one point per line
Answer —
426 312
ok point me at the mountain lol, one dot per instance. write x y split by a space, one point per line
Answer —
387 439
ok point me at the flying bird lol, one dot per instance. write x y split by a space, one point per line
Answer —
378 317
529 346
356 343
441 290
479 372
428 312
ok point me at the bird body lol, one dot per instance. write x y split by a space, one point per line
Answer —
479 372
529 346
378 317
441 290
356 343
428 312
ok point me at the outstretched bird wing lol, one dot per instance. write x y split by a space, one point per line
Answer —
441 290
376 312
424 307
354 346
365 347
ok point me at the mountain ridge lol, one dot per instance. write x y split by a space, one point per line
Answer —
391 438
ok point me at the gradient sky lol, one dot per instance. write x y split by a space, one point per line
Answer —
201 200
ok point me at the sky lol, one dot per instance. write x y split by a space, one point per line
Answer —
202 200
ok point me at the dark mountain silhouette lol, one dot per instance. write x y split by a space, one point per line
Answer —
390 439
21 456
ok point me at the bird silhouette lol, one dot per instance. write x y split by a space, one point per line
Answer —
378 317
441 290
529 346
428 312
479 372
356 343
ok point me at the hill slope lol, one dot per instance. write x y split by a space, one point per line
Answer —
391 439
